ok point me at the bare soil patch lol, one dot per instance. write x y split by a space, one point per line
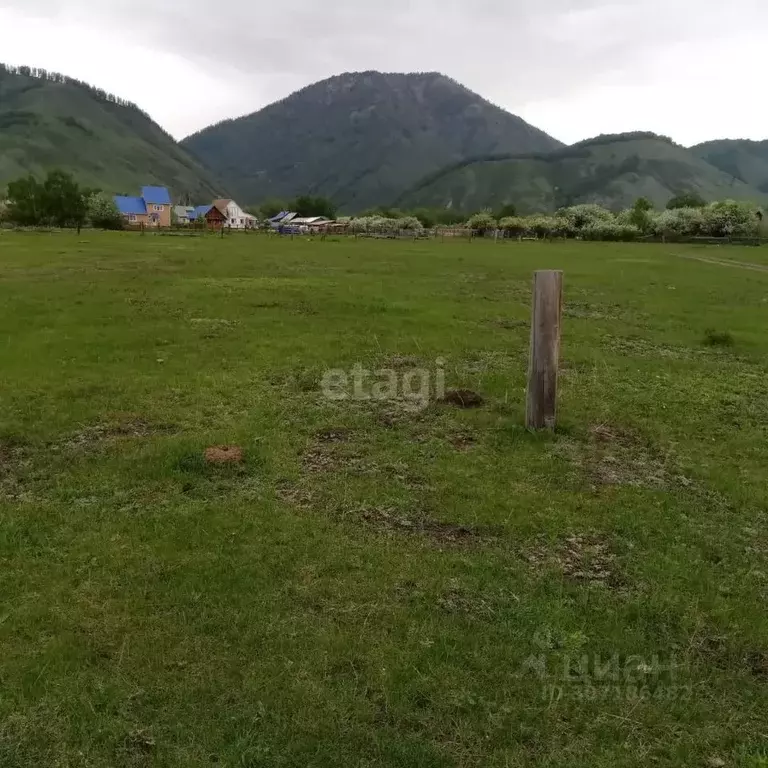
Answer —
295 495
437 531
463 398
15 459
582 558
224 454
123 429
463 441
458 600
616 456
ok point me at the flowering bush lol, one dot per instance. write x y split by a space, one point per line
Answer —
610 230
729 218
482 221
382 224
678 222
514 225
410 223
103 213
587 215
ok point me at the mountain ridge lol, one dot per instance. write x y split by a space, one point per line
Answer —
49 120
611 169
359 137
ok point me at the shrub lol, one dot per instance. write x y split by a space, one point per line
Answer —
587 215
729 218
410 223
103 213
679 222
482 222
515 226
611 231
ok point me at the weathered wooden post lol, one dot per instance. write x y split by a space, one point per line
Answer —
541 408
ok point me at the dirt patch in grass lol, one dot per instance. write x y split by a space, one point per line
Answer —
615 456
462 441
123 429
394 414
327 457
463 398
620 457
224 454
436 531
15 460
582 558
458 600
339 435
295 495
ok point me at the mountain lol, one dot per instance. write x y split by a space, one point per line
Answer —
740 158
51 121
610 170
359 138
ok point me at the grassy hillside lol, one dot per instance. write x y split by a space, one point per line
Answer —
610 170
377 585
740 158
47 123
360 138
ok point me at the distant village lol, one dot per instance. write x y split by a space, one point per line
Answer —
154 208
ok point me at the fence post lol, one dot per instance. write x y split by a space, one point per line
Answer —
541 407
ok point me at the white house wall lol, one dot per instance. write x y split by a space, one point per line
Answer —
237 217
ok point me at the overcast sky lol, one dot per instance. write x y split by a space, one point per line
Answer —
691 69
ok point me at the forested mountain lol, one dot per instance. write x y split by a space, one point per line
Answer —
360 138
610 170
51 121
743 159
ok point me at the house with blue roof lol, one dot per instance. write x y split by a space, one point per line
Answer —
152 208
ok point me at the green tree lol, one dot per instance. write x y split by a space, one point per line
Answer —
103 213
507 211
482 222
686 200
63 201
270 208
306 205
449 217
426 217
25 203
640 216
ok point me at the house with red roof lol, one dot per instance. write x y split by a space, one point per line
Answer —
152 208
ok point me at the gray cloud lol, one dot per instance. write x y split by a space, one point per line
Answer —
513 52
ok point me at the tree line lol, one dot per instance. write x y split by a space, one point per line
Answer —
58 201
57 77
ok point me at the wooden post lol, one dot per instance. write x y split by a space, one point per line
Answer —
541 410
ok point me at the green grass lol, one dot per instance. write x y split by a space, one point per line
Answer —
407 590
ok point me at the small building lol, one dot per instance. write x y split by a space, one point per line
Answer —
282 219
152 208
184 214
133 209
210 215
237 218
311 222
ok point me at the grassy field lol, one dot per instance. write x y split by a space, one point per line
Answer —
376 584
